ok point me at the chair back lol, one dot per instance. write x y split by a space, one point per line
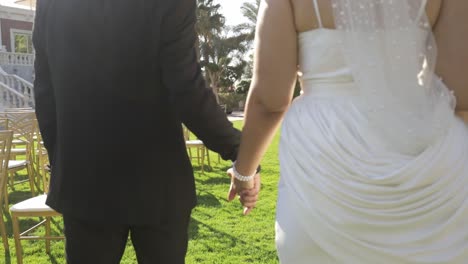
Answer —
3 123
186 132
6 137
43 163
21 122
23 125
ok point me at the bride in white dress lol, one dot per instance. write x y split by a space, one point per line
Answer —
374 162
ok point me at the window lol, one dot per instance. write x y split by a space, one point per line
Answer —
22 42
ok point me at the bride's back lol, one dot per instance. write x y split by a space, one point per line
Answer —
306 19
449 29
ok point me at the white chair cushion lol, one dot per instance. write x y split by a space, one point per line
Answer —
16 163
18 142
194 142
18 151
35 204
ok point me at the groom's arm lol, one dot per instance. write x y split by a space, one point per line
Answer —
194 102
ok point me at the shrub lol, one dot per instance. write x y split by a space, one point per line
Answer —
243 86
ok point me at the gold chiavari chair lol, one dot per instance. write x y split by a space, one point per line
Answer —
5 145
201 151
35 207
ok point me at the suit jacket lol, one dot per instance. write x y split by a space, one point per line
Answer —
115 80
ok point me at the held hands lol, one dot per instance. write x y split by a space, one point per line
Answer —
247 190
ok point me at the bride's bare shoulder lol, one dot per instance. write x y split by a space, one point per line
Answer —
305 15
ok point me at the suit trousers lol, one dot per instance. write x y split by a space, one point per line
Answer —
89 242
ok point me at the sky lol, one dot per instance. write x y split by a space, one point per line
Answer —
10 3
229 8
6 2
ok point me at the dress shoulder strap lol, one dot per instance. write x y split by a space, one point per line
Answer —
317 13
422 10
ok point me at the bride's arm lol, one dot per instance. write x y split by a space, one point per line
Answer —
433 10
275 73
463 115
451 34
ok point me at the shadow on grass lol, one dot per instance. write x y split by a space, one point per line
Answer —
28 222
24 222
208 200
18 196
193 228
205 167
53 260
212 236
221 180
217 177
57 225
7 258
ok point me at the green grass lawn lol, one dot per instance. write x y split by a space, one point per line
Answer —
218 232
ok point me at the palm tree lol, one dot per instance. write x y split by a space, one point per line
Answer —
210 23
219 50
246 35
249 10
225 64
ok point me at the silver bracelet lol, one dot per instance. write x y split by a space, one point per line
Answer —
239 176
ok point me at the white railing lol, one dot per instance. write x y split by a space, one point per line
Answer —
15 92
9 58
10 98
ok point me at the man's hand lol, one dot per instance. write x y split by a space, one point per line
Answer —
247 191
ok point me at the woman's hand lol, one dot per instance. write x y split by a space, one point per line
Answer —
247 190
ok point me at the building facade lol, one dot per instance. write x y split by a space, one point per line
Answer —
16 24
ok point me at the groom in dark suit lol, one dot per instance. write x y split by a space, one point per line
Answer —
114 81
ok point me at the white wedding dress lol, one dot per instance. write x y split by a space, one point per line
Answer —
414 209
